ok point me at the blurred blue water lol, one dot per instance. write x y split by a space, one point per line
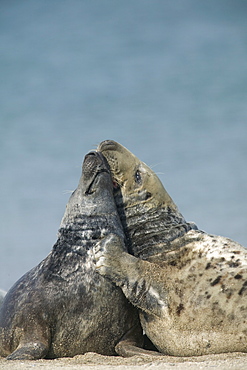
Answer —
167 79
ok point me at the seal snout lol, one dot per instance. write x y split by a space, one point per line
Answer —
107 145
95 162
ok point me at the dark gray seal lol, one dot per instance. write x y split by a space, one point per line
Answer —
190 286
62 307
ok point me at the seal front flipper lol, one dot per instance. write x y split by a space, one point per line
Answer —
28 342
29 351
128 345
138 279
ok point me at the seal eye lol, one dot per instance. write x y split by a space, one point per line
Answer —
138 177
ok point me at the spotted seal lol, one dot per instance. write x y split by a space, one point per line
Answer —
190 286
62 307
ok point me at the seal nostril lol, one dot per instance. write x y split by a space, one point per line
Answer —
91 161
91 157
92 154
107 145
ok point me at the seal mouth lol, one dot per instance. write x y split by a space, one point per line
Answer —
105 146
94 165
91 188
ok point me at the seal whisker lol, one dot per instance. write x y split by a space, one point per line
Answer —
68 191
156 164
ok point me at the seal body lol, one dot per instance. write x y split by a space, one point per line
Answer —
190 286
62 307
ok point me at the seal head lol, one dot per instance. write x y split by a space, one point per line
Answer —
138 183
142 200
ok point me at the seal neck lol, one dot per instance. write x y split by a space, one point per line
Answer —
149 232
82 232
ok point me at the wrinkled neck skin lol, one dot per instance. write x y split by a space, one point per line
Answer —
150 231
87 219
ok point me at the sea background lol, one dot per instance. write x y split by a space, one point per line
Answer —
167 79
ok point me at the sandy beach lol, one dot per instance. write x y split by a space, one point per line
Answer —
99 362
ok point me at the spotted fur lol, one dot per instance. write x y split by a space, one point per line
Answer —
190 286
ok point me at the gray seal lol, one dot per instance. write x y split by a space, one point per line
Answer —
190 286
63 307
